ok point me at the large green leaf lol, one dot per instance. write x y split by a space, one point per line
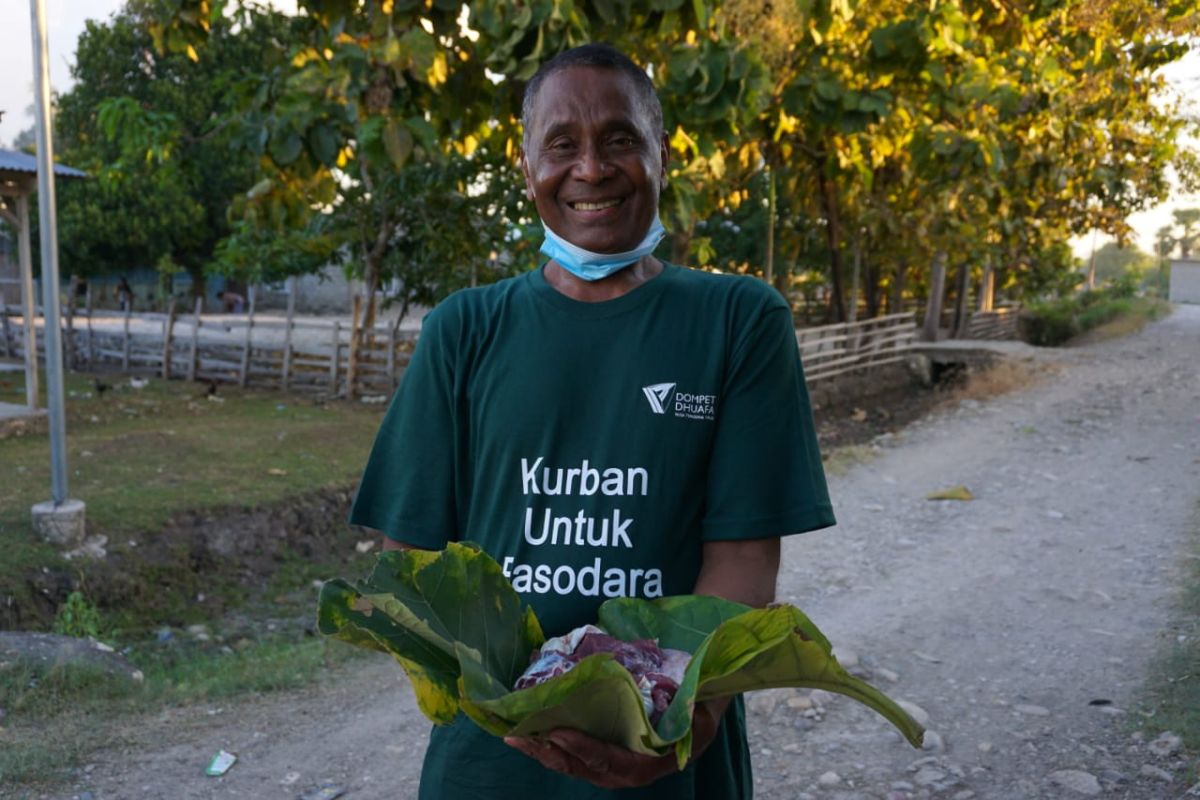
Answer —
463 635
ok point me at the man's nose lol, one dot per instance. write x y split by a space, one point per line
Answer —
593 165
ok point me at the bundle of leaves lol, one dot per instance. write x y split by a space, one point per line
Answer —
463 636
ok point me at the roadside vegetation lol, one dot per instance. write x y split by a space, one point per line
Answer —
163 468
1172 697
1113 310
55 718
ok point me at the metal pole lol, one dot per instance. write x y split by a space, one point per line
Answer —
48 225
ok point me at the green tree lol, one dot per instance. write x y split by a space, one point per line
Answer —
1188 221
954 135
170 202
1164 241
1114 261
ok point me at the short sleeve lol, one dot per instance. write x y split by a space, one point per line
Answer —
765 475
408 488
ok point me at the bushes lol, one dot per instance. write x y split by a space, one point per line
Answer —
1050 324
1099 313
77 617
1055 322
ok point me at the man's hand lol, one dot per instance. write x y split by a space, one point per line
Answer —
611 766
744 571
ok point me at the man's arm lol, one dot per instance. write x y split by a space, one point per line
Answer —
744 571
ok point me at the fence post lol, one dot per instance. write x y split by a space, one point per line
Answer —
333 361
8 342
356 340
69 338
285 378
195 356
391 356
168 330
246 346
125 344
91 345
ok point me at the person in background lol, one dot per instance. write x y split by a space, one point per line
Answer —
231 302
124 294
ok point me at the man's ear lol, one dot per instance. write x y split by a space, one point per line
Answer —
665 152
524 162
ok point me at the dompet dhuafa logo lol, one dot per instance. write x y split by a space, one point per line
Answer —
664 398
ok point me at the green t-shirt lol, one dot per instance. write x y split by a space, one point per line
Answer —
591 449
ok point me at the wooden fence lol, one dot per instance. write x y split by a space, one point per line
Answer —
998 324
831 350
315 355
256 351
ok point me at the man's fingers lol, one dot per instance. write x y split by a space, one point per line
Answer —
545 752
599 765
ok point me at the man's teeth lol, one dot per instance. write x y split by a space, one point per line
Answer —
596 206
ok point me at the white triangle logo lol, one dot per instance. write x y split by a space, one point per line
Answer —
657 394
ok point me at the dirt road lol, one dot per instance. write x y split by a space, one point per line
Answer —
1002 619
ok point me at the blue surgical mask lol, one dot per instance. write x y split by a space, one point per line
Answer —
593 266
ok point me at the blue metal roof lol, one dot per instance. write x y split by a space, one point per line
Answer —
16 161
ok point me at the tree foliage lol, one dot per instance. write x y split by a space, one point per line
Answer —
859 139
152 129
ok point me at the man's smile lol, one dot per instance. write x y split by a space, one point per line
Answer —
598 205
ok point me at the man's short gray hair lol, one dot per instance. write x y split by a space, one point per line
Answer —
597 55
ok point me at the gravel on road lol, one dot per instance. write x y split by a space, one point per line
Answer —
1018 625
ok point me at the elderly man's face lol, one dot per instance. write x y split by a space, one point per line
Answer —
594 166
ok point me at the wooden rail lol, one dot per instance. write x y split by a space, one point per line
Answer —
831 350
267 352
315 355
998 324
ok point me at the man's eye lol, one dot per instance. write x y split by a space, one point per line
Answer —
622 140
561 145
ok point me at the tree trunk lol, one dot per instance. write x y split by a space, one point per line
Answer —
196 273
872 288
855 272
987 287
833 236
681 242
770 261
896 301
933 306
1091 270
961 290
362 322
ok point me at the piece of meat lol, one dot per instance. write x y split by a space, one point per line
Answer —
657 672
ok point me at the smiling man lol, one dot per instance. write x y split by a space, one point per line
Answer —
607 425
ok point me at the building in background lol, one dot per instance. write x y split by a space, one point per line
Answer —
1185 280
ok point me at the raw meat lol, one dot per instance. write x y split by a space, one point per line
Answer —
657 672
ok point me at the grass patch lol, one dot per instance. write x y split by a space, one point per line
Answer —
163 470
141 457
138 456
56 717
1000 377
1172 696
1132 319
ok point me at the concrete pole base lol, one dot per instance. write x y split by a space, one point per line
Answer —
61 524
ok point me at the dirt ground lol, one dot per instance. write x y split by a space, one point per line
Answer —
1018 625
